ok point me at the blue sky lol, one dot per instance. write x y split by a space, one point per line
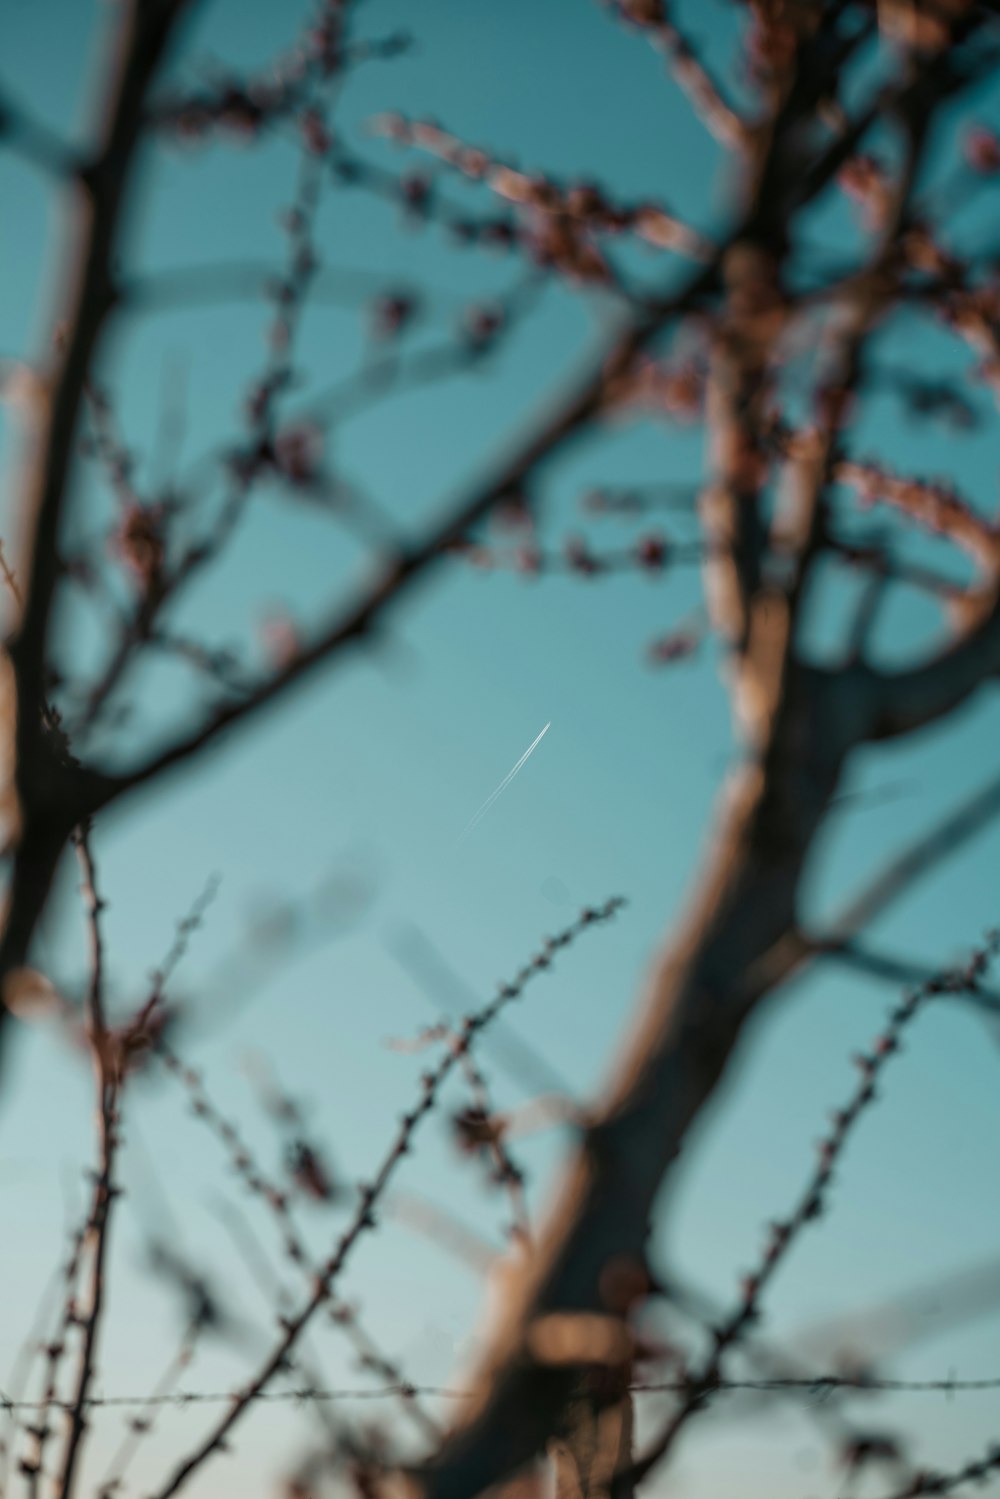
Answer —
378 766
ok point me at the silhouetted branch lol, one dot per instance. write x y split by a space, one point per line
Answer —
107 1067
372 1192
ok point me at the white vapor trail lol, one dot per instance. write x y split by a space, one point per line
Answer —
487 804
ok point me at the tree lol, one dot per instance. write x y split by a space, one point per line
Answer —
776 354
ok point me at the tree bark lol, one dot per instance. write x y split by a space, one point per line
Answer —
734 946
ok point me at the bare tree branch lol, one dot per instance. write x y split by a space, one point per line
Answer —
54 795
722 962
108 1078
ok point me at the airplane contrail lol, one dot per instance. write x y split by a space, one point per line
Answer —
487 804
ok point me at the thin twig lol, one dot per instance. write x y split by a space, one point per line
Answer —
372 1192
107 1068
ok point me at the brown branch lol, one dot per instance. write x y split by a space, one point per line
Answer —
698 1001
101 200
730 950
936 506
582 205
904 701
93 905
691 74
141 1425
451 995
53 1348
340 1313
160 586
58 797
33 140
925 854
978 1470
798 949
804 1384
358 620
895 970
250 280
812 1199
583 404
373 1192
53 796
108 1076
612 366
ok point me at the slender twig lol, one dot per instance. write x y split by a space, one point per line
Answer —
107 1068
928 1481
816 1387
53 1349
9 578
811 1202
142 1424
33 139
277 1199
690 73
371 1193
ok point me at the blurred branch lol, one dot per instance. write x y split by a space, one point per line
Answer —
242 280
107 1067
688 69
54 795
733 946
30 138
357 622
927 852
810 1205
894 970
